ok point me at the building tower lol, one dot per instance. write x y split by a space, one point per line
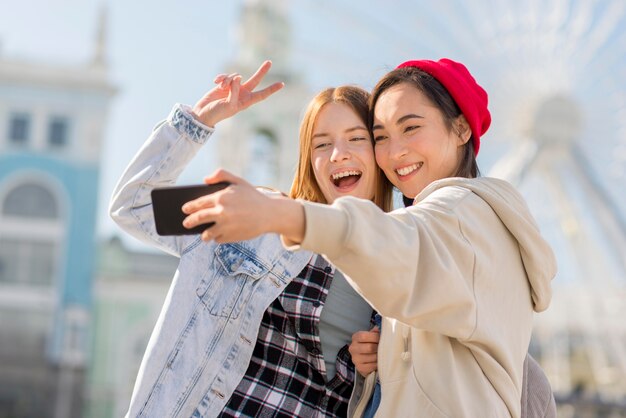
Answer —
52 120
261 143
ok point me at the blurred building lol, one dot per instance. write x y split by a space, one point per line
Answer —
129 291
262 143
52 120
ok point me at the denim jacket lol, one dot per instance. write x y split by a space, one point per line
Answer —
203 339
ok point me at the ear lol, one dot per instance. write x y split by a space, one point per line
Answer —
463 130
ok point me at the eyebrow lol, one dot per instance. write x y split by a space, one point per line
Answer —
401 120
354 128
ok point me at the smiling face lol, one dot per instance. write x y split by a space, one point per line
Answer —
414 147
342 155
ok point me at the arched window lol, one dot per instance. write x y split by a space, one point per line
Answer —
263 164
30 201
30 235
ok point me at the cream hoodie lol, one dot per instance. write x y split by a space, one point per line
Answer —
456 278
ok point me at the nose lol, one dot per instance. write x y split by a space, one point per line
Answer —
340 152
397 148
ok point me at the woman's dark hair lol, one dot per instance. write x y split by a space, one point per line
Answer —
439 96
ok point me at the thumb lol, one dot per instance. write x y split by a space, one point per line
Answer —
223 175
375 329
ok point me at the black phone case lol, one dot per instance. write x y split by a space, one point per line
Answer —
168 201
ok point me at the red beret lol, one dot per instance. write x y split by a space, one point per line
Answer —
468 95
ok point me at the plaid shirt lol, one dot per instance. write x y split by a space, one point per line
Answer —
286 376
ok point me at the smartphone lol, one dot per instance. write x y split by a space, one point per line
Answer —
167 203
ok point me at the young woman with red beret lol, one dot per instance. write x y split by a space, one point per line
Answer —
456 276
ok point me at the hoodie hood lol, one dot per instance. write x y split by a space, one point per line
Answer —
537 255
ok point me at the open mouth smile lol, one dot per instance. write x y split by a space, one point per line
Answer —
346 180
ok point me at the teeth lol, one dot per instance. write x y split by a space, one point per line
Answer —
408 170
337 176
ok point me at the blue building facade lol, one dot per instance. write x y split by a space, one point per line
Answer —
52 122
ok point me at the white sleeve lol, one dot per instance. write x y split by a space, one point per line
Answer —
159 162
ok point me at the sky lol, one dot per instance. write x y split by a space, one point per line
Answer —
163 52
147 43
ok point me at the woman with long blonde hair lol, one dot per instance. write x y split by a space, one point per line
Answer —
250 329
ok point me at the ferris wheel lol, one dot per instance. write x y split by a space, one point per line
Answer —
556 74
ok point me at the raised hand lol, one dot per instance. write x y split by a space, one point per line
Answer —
364 350
230 96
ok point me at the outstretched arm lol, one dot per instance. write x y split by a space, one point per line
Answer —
169 149
244 212
410 265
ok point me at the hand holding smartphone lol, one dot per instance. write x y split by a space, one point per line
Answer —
168 201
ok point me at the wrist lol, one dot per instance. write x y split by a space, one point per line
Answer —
206 120
287 219
185 122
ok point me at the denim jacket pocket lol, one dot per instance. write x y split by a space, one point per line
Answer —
231 280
